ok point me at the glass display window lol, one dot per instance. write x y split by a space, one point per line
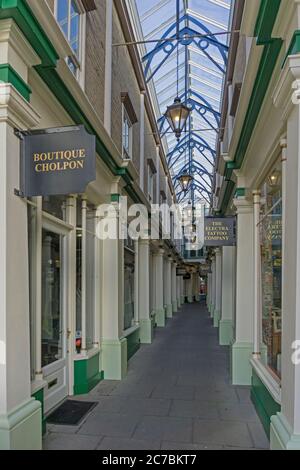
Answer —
271 267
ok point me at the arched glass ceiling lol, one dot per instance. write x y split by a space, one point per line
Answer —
202 67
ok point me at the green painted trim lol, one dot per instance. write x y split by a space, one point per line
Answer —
115 198
30 27
267 15
9 75
264 403
294 47
240 192
272 46
133 343
39 396
87 374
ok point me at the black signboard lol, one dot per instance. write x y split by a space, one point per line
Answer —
57 161
220 231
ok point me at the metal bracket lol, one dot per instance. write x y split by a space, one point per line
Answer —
18 193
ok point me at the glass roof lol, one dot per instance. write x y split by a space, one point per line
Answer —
193 68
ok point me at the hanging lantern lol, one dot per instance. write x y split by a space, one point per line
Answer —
185 181
274 179
177 115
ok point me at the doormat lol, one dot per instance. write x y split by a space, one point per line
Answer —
71 412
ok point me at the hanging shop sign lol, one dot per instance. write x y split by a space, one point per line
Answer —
187 276
180 272
220 231
57 161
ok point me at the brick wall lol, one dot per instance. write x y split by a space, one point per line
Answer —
95 57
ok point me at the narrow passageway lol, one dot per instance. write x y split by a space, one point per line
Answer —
177 396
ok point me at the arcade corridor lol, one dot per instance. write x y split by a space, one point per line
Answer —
177 396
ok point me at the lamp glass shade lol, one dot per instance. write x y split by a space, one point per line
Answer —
177 115
185 181
274 178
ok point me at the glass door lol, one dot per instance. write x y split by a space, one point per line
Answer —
54 322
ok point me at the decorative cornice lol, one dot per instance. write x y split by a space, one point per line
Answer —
15 110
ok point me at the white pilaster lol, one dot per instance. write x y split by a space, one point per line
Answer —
113 343
146 327
228 295
213 286
20 415
218 298
174 288
159 286
243 345
168 287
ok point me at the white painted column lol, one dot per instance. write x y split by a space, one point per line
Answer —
137 282
146 328
178 291
174 288
213 287
113 344
142 140
168 287
243 345
83 275
257 318
189 288
159 281
218 301
285 426
182 293
20 415
208 295
108 66
228 296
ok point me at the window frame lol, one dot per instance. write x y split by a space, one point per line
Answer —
77 60
127 154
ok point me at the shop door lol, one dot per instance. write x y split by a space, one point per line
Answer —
54 318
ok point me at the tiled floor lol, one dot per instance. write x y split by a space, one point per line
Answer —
177 396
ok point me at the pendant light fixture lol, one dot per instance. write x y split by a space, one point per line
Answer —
177 114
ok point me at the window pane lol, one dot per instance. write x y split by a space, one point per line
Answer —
74 32
51 298
63 15
128 289
271 261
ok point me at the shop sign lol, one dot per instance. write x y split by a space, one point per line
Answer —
274 230
57 161
205 269
220 231
180 272
187 276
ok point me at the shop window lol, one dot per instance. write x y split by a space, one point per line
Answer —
85 274
69 15
271 267
129 118
127 136
52 298
56 206
129 268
